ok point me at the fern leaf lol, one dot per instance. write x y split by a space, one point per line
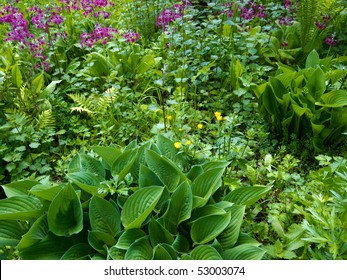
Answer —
45 119
84 104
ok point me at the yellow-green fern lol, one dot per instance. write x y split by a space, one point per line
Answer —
91 105
45 119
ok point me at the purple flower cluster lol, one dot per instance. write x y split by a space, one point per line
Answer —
131 36
228 9
331 40
251 10
171 14
289 7
103 34
89 7
43 19
325 22
19 31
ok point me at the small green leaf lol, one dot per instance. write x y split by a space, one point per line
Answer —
312 60
49 89
20 208
139 205
104 216
208 228
244 252
86 181
205 252
140 250
65 215
37 83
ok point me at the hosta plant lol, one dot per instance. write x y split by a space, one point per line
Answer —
136 203
309 102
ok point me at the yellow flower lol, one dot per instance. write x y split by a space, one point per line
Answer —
200 126
217 114
169 118
180 129
178 145
219 118
188 142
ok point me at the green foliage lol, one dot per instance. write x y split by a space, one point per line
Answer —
126 221
298 102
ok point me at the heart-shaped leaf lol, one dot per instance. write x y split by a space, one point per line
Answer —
205 252
20 208
140 250
65 215
247 195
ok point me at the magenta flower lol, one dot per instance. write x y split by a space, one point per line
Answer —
331 40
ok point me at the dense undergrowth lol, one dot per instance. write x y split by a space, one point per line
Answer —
173 130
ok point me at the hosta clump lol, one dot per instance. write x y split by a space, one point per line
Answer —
307 103
134 203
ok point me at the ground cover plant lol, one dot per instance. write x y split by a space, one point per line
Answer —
173 129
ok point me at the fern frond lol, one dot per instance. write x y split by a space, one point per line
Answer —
45 119
85 104
308 14
81 109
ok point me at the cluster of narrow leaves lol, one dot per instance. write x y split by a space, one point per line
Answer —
160 213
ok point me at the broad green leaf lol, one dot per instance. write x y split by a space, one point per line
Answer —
270 102
139 205
45 192
17 78
101 65
158 234
208 228
85 163
181 204
194 172
207 210
246 239
139 161
49 89
278 89
181 244
247 195
205 252
129 237
20 208
312 60
80 251
147 62
334 99
104 216
164 252
244 252
215 164
166 171
19 187
11 233
205 185
148 178
37 232
230 235
51 248
140 250
86 181
65 216
316 84
100 241
37 84
108 154
123 163
167 148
